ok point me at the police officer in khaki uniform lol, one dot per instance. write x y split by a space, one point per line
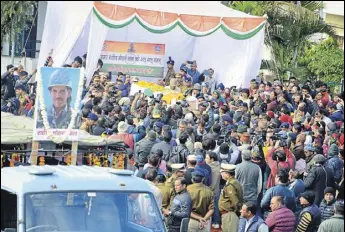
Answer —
177 172
166 191
170 73
230 198
202 204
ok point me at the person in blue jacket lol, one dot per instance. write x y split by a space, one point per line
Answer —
192 71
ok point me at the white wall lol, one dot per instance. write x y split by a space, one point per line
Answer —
6 47
41 15
334 7
28 63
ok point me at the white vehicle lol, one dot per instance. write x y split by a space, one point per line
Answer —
76 199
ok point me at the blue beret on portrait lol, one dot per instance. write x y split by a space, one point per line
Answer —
60 77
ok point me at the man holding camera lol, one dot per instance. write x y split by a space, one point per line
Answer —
192 71
279 157
7 84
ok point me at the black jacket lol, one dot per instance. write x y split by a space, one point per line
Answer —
181 207
142 151
162 145
188 175
327 209
7 86
317 180
178 154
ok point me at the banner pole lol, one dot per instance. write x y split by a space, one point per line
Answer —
34 152
74 153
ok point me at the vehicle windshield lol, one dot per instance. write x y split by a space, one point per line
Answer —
92 212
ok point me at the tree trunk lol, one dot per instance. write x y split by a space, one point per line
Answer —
13 45
295 54
12 52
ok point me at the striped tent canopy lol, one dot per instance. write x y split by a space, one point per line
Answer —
195 18
229 41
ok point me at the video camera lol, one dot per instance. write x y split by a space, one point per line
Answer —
112 100
283 139
258 139
11 106
159 97
224 136
112 91
182 103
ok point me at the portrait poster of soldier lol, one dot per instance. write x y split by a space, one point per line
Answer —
59 89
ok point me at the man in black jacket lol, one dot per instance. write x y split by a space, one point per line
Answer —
179 153
327 204
180 208
7 84
164 145
319 178
142 149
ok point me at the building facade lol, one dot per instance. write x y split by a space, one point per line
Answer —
333 14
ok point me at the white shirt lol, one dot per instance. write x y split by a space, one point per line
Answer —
326 120
301 166
145 202
157 193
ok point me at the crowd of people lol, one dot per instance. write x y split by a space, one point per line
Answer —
265 158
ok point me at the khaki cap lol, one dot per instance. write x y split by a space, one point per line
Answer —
227 167
178 167
191 158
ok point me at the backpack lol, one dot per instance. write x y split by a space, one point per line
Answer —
142 152
178 155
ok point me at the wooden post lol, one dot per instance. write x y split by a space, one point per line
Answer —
74 152
34 152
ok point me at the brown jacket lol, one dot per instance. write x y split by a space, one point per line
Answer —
170 74
167 193
231 196
202 198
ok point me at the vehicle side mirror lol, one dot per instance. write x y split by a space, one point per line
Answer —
184 225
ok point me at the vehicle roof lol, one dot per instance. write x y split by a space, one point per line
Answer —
68 178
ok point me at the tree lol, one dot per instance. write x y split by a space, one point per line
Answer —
324 60
282 64
289 26
15 17
249 7
299 23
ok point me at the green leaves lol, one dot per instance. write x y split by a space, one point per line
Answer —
289 27
324 60
249 7
15 17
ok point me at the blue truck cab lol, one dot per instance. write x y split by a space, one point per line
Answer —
76 199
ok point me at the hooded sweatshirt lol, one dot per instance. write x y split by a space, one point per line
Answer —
334 162
215 166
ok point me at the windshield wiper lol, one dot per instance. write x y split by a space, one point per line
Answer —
90 206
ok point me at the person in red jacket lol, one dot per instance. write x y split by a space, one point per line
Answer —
277 158
281 219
